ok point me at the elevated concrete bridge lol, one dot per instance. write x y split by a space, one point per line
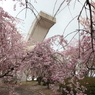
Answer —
40 27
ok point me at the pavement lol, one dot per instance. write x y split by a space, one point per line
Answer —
29 89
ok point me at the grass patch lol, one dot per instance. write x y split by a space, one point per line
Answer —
88 82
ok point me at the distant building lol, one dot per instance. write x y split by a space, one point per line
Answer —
40 27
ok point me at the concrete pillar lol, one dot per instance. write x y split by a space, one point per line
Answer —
40 27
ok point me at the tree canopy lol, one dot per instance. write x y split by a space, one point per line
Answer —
73 61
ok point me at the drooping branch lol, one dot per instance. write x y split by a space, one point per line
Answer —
7 73
91 23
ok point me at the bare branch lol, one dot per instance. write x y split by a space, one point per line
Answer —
59 8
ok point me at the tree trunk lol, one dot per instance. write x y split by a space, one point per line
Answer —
39 79
32 78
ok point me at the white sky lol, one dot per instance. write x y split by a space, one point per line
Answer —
63 18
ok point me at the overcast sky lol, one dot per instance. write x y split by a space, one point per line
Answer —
47 6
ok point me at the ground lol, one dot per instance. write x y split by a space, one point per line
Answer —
27 88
